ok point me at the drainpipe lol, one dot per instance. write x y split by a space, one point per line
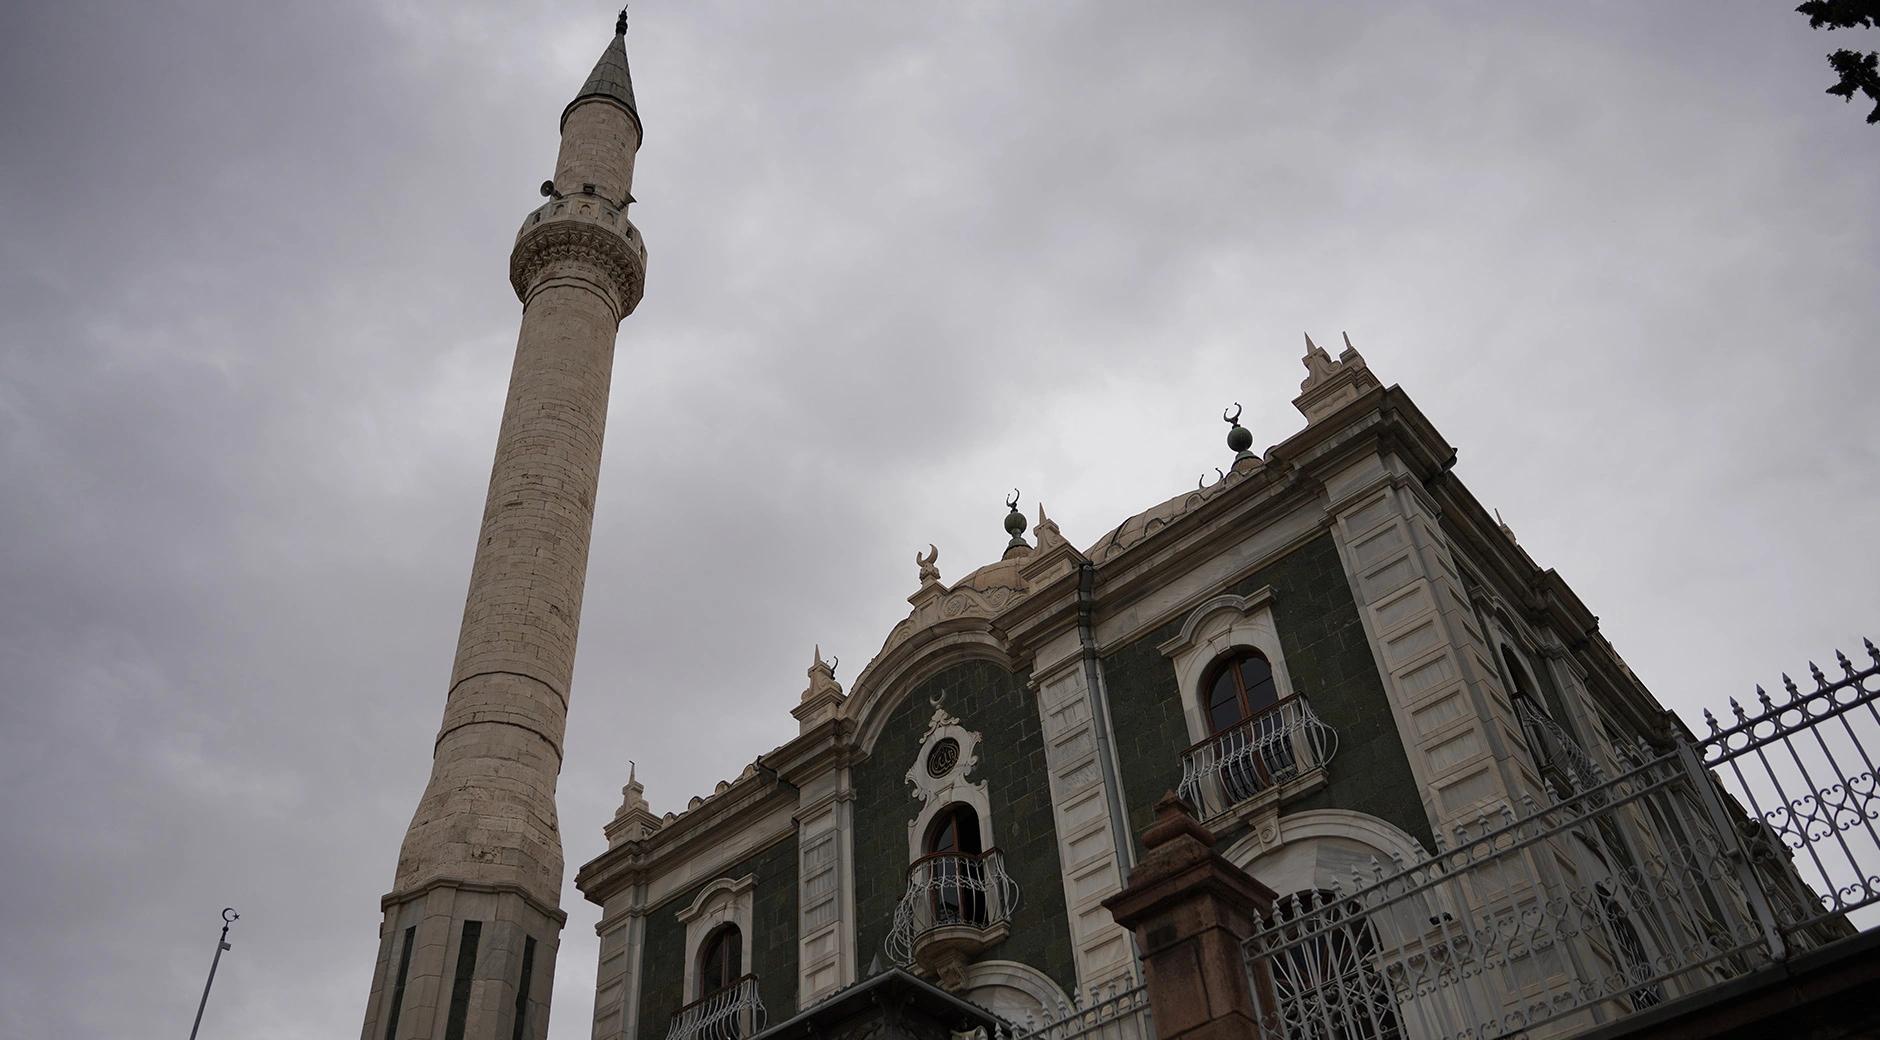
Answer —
1100 719
1099 701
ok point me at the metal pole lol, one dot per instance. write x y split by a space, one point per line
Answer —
229 917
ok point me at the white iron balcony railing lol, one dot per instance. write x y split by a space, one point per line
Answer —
1563 763
1686 869
967 895
731 1013
1260 753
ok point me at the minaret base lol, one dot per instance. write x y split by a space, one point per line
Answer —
460 960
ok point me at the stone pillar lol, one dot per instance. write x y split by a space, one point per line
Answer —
473 922
1190 910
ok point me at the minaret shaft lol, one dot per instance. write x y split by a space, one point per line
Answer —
471 927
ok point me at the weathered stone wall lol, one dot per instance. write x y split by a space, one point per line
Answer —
994 703
1329 659
773 940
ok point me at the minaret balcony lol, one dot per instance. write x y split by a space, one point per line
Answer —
587 229
957 905
1258 760
731 1013
584 208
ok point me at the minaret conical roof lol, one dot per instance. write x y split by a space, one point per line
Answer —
610 78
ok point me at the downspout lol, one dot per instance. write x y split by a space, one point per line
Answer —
1100 721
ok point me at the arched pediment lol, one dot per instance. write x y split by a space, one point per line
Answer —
887 680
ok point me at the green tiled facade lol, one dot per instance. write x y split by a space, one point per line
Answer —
1329 659
996 704
773 940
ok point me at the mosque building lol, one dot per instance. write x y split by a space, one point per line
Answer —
1333 653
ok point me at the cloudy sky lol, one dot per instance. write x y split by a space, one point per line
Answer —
255 329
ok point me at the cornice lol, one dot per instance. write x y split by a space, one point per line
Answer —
406 895
650 857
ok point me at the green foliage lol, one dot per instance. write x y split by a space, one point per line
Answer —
1854 71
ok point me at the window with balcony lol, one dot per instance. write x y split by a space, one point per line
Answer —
724 1001
958 900
1258 740
956 867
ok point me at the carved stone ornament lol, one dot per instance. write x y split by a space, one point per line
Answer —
608 256
940 719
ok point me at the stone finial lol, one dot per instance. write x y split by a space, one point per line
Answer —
822 676
1331 384
822 699
634 794
929 572
620 23
1175 818
634 819
1047 529
1239 438
1015 526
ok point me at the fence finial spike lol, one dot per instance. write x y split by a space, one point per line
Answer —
1847 667
1763 698
1821 681
1737 709
1871 651
1507 814
1712 719
1789 685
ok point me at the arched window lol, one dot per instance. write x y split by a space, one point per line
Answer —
721 960
955 829
1249 727
1239 688
1523 691
958 878
1325 980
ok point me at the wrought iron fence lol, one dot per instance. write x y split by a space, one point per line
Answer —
1117 1010
964 889
731 1013
1683 869
1261 752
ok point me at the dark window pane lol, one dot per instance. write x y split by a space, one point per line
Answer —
722 962
1223 702
946 835
1256 677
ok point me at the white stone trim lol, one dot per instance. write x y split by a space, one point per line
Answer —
723 901
1081 815
1213 630
888 679
987 981
956 787
826 950
1318 825
622 931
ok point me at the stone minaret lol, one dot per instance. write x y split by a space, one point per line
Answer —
467 948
